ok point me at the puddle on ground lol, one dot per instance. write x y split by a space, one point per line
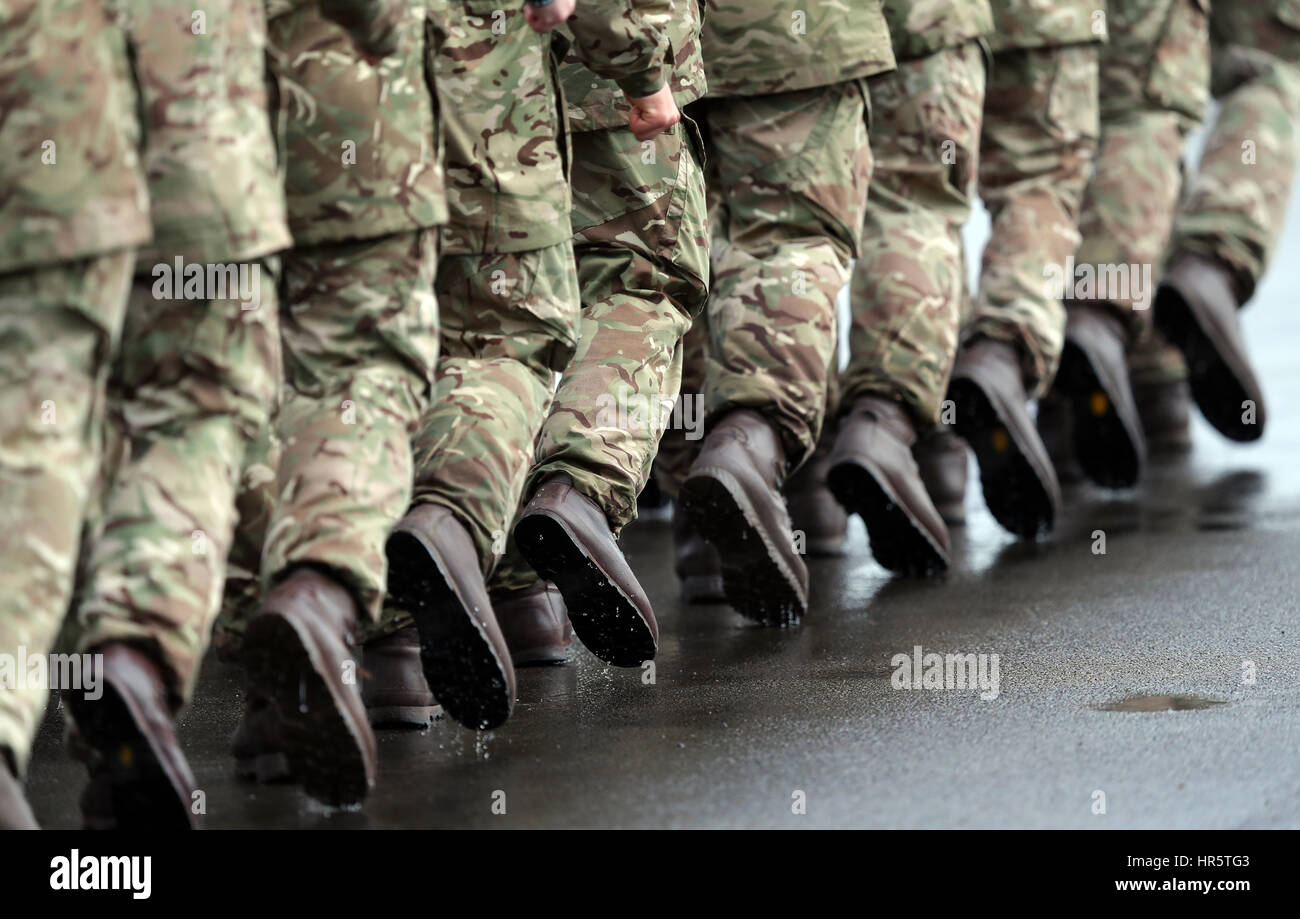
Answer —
1159 704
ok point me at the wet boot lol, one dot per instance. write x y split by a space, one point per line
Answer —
15 812
139 778
1093 378
298 651
696 563
1165 411
1016 474
258 742
733 499
535 623
1196 311
941 459
814 510
873 474
566 538
393 687
434 574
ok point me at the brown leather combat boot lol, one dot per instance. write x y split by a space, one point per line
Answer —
566 538
1196 311
874 475
1016 474
393 687
434 574
733 499
941 459
299 652
535 623
139 778
1105 430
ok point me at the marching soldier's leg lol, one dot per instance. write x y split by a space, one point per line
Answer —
364 189
906 299
58 327
1039 136
508 325
1234 207
192 386
359 327
73 207
794 168
642 274
1154 91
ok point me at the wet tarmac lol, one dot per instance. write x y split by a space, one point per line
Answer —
1159 682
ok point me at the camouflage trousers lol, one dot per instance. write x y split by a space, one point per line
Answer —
1235 204
509 324
359 326
193 384
1040 133
1155 74
642 248
59 326
909 283
787 178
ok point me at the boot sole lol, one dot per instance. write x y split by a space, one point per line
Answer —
322 740
142 794
1015 495
1216 389
756 580
898 541
604 618
1102 442
461 666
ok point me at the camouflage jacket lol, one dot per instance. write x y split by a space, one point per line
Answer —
757 47
921 27
360 137
506 147
595 103
211 153
1023 24
71 183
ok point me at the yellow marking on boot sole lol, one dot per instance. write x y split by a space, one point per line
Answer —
125 755
1098 404
1001 441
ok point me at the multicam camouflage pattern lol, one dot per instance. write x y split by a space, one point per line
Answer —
909 282
1155 74
58 326
1039 139
921 27
758 47
509 323
361 142
193 384
211 159
595 103
1235 203
1023 24
505 150
789 175
643 275
359 326
254 506
71 175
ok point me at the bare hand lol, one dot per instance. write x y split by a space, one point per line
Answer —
652 115
545 18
